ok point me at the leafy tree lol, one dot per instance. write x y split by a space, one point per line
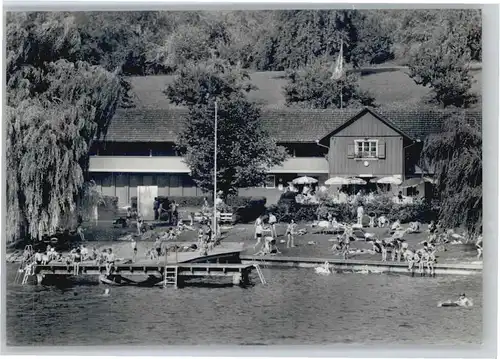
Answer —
298 38
91 197
131 41
303 36
411 28
242 31
442 63
313 87
244 149
456 157
55 109
196 83
375 39
187 44
468 24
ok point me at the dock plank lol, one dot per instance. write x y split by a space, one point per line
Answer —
189 269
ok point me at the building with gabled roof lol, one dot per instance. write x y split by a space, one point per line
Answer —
139 148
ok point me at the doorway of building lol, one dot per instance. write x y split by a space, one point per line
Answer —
145 201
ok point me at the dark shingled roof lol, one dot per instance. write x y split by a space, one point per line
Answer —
146 125
285 125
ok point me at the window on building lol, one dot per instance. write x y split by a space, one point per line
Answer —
270 181
366 148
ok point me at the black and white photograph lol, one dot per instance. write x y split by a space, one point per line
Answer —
243 177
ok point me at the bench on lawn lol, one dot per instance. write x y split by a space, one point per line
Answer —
226 217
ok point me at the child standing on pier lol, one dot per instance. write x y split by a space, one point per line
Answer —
38 257
110 261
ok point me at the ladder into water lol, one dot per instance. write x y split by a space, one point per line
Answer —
170 276
259 272
27 265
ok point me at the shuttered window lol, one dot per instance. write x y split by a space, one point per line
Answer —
381 149
366 149
350 151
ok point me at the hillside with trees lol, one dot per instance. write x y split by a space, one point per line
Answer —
161 43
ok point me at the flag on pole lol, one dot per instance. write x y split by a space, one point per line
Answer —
338 69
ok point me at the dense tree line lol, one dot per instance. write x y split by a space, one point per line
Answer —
158 42
147 43
161 42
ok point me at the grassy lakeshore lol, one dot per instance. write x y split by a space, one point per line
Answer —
310 245
321 248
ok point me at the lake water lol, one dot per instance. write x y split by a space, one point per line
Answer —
297 306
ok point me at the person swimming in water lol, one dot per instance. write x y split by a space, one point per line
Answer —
462 301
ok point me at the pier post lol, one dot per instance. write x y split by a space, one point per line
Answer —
39 278
245 277
237 279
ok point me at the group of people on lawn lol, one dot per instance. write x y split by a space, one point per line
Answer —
172 211
268 242
158 209
207 236
395 244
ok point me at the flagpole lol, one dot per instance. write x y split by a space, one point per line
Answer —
341 81
215 173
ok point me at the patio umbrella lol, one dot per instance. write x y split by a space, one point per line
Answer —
387 180
304 180
355 180
337 181
412 182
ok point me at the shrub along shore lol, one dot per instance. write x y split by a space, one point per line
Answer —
247 209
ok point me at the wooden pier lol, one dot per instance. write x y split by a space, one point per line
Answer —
172 269
171 274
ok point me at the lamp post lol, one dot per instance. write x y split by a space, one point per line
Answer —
214 230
